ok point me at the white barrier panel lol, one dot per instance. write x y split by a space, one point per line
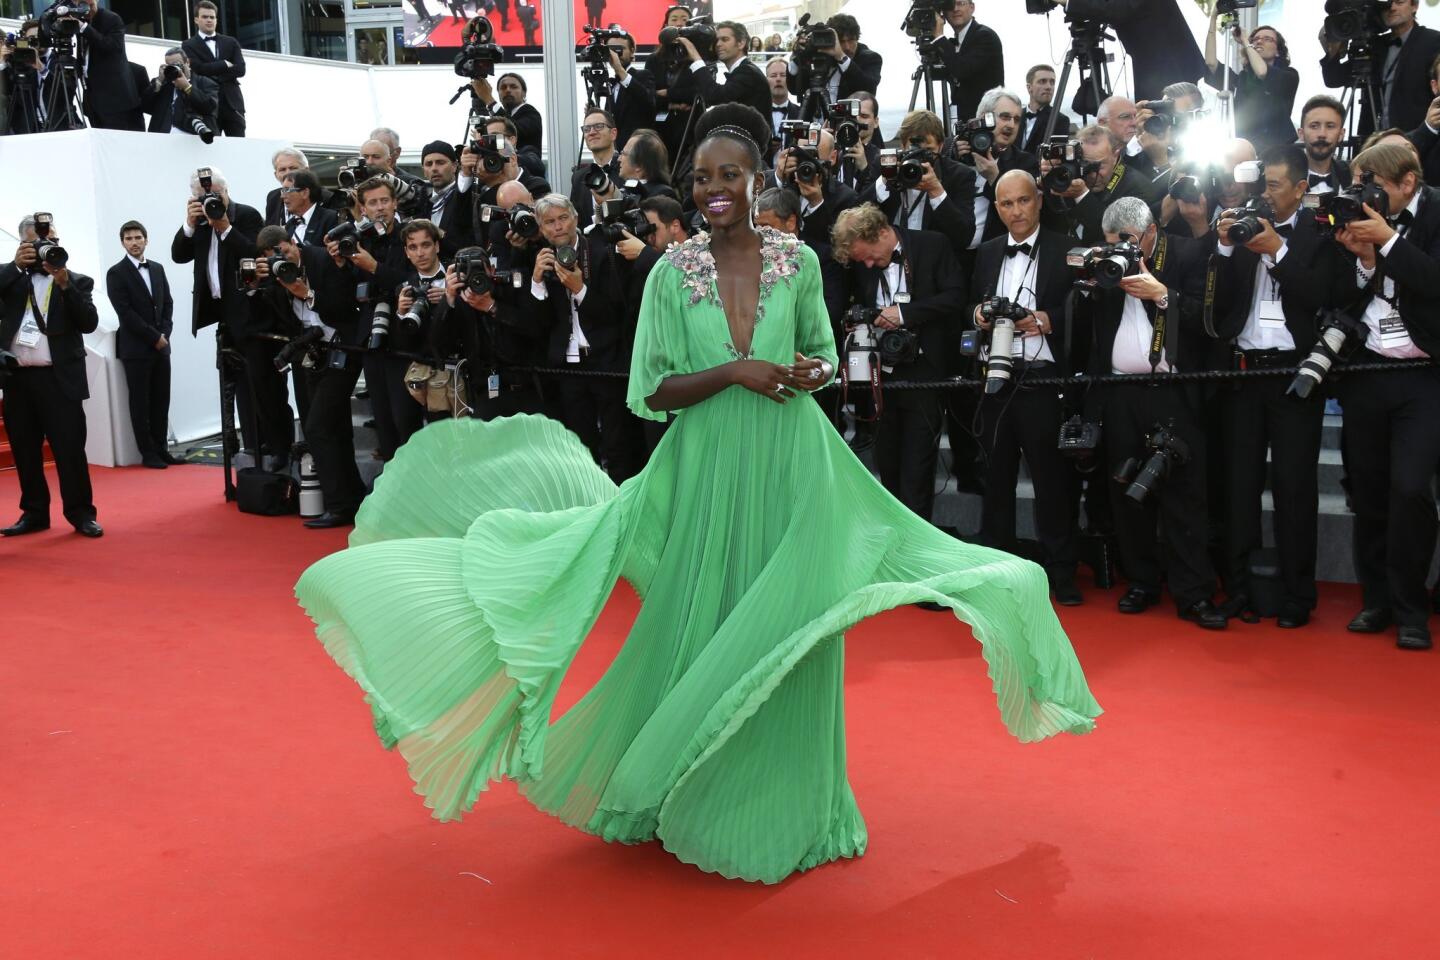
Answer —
95 180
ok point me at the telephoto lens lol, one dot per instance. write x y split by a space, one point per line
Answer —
283 270
380 326
596 178
567 256
1001 365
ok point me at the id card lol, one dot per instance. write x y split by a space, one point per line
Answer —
492 386
29 333
1272 314
1392 331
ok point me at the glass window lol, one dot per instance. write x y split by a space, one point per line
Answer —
372 46
323 29
252 22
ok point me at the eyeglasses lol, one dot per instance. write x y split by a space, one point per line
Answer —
593 127
292 189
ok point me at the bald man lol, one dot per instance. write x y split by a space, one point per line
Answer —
1026 266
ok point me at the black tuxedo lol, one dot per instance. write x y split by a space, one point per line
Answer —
745 83
1156 37
1130 412
1026 420
1427 142
322 221
1083 220
975 66
954 217
776 115
1036 140
1009 159
863 76
110 95
145 315
907 437
815 226
634 105
47 402
1410 94
161 100
860 180
206 64
529 129
494 343
580 195
1391 437
231 307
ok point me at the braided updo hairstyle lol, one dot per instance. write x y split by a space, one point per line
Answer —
739 123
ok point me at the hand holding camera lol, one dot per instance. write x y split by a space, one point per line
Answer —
1144 285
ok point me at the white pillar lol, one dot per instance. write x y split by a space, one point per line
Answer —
562 102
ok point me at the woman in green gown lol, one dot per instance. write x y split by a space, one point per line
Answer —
753 537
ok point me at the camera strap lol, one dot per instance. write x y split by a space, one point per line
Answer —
1160 339
877 396
1212 269
1115 177
35 307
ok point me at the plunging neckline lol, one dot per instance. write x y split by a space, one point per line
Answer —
733 344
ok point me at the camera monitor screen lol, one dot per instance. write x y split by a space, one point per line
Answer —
437 23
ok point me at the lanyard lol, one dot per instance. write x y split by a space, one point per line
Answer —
40 316
905 274
1157 339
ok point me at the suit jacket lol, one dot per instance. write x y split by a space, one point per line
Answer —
1426 142
1052 283
1083 221
634 105
239 243
1413 264
860 180
1154 33
976 66
1409 91
275 214
1010 159
322 221
203 101
745 83
863 76
816 225
71 314
144 316
954 217
606 314
1036 139
1313 276
109 83
937 295
205 64
529 128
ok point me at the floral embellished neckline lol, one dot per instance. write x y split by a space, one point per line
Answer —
779 261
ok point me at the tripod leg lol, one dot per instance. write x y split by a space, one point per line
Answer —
915 90
1059 97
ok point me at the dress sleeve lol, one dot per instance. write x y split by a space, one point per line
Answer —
660 349
813 334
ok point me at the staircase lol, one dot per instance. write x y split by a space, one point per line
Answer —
7 458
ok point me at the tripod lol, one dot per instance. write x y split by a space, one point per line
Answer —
25 115
930 73
62 104
1087 52
1363 89
816 103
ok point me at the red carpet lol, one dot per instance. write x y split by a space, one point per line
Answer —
187 775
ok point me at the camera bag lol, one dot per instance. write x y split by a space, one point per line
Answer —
265 493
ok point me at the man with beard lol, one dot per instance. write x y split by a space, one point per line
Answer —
441 165
1322 127
528 126
632 92
598 129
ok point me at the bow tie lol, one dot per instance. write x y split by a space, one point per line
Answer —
1328 179
1285 230
1404 218
1015 248
143 263
896 256
1031 114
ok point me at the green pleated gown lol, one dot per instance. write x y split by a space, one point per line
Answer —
754 539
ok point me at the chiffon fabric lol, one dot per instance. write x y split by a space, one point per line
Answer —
754 538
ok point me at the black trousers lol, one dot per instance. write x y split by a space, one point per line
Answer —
1257 417
512 401
907 444
271 397
232 121
397 415
124 120
965 448
1025 422
1131 412
329 433
593 408
148 381
1391 437
37 410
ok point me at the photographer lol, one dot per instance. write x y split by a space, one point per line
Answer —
140 293
1399 66
489 160
1155 36
111 98
283 162
1280 280
1026 270
1426 137
860 164
599 130
486 328
1106 180
942 199
849 66
588 310
632 92
442 165
1322 129
974 58
47 309
1002 157
321 297
1264 90
420 301
1158 125
806 171
1040 85
910 287
669 68
180 103
220 59
1151 323
22 94
668 218
1391 437
730 77
306 222
373 262
391 140
379 154
529 157
529 132
215 235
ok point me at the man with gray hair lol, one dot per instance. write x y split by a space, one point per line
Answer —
1004 155
283 162
1152 323
1106 178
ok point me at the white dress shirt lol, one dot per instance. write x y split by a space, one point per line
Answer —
1385 333
1131 350
1265 332
577 334
1017 283
38 353
144 273
304 225
212 271
910 200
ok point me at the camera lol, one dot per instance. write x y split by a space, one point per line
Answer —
919 22
702 35
299 348
1167 452
24 51
411 319
202 130
595 55
843 119
1067 163
212 202
520 219
1106 265
47 251
616 216
1355 20
1001 312
979 133
76 11
171 72
1224 7
1163 117
353 172
380 325
595 178
1336 210
245 274
282 269
898 346
860 345
566 256
814 43
494 150
479 54
1337 330
347 236
1247 220
907 168
1079 438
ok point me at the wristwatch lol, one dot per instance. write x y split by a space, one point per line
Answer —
1164 302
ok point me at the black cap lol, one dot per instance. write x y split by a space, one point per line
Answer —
439 146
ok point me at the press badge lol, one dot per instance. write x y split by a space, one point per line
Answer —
1272 314
902 298
29 333
1392 331
492 386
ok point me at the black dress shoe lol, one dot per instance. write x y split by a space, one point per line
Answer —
89 528
154 463
327 520
1370 620
173 460
1413 638
28 523
1137 600
1067 594
1292 620
1205 614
